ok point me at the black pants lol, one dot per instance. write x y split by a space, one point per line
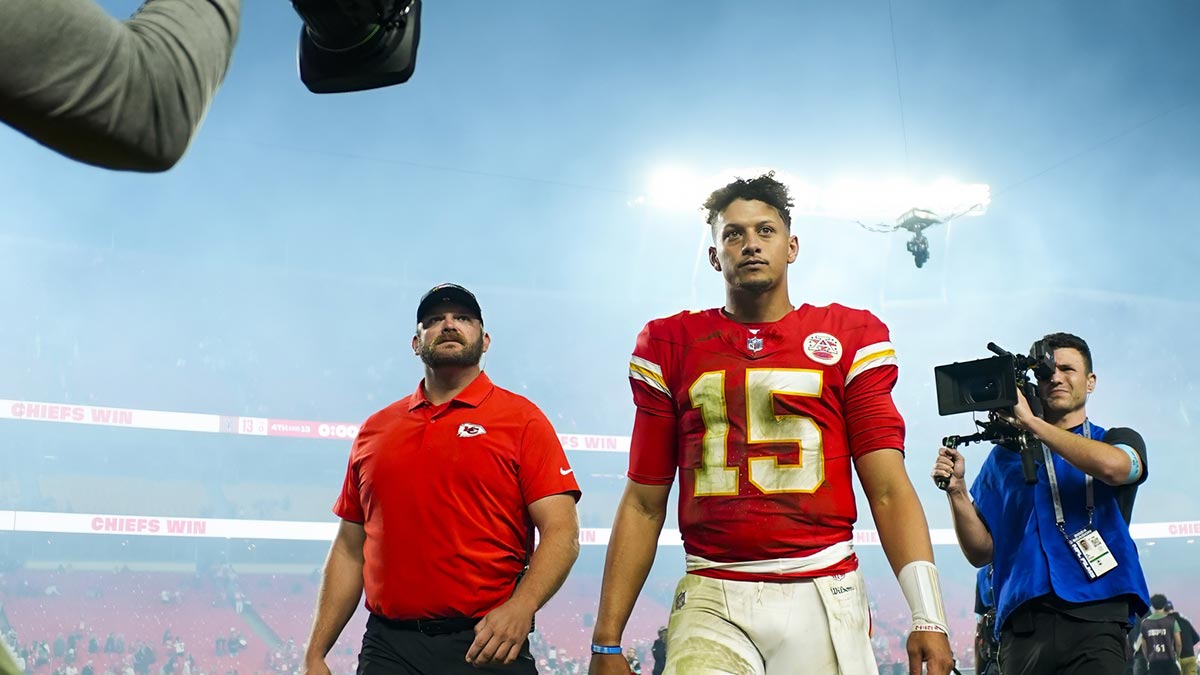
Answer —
1164 668
1045 642
388 650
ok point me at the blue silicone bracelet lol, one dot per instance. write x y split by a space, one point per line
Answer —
606 649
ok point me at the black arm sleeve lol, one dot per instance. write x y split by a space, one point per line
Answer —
117 95
1126 494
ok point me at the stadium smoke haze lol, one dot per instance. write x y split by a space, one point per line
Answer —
255 304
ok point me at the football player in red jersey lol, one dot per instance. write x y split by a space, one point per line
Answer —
763 408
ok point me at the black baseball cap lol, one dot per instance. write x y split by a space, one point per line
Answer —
443 293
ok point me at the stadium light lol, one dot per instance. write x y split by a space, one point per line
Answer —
680 189
674 188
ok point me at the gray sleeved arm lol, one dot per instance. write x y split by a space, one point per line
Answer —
121 95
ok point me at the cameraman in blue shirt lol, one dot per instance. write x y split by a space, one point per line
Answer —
1065 570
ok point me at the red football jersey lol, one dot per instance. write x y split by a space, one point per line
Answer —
762 421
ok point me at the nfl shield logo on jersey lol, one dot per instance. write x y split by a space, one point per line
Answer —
754 343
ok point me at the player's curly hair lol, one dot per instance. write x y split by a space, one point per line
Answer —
764 189
1066 341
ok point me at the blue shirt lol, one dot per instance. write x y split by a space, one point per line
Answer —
1030 556
983 590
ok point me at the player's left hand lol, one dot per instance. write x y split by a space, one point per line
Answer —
500 635
932 649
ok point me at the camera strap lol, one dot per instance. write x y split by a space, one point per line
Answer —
1051 474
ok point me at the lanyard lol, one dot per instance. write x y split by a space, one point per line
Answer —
1058 512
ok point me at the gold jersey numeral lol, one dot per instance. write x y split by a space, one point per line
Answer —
715 476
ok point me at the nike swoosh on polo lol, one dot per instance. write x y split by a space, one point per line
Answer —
566 472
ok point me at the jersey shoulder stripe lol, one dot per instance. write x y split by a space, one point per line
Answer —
649 372
871 356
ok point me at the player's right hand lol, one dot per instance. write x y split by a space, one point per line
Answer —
950 465
609 664
315 667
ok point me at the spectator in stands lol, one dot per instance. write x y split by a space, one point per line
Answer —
60 646
220 647
110 644
143 656
236 642
440 492
93 645
1188 640
88 669
635 664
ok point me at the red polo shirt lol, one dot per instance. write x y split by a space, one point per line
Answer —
442 492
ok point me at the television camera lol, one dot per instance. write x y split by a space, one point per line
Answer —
991 385
352 45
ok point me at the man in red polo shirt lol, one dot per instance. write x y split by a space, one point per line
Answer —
442 493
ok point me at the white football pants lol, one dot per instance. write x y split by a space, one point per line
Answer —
814 627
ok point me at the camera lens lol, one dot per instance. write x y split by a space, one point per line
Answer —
981 390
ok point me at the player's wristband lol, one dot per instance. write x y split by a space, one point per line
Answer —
919 581
606 649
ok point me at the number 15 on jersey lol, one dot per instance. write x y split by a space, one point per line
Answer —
763 426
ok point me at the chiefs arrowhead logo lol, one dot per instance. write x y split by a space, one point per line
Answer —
466 430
